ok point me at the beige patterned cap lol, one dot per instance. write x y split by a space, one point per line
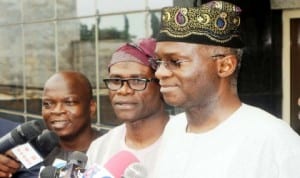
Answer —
213 23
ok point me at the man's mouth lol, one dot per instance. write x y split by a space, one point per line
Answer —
119 105
167 88
59 124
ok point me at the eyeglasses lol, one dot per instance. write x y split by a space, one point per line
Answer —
137 84
170 64
176 64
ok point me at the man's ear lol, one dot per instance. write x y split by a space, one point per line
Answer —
93 108
227 65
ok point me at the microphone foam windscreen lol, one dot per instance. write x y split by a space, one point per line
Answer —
78 158
46 142
135 170
28 131
49 172
119 162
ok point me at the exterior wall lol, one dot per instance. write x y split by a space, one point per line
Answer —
287 15
285 4
39 38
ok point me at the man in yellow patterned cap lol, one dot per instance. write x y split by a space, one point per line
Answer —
199 51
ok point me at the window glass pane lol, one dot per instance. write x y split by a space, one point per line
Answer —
58 35
78 8
38 10
10 12
39 61
113 6
104 6
76 46
130 26
158 4
11 86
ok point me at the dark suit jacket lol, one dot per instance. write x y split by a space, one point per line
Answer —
6 126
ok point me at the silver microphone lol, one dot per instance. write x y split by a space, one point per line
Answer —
135 170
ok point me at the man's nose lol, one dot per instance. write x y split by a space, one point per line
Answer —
162 72
125 88
58 108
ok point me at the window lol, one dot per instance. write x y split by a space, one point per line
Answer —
38 38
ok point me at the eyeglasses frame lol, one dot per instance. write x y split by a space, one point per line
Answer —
145 80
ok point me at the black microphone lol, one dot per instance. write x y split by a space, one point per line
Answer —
21 134
73 169
33 152
45 142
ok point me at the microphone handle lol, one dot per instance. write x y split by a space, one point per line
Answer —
6 143
73 171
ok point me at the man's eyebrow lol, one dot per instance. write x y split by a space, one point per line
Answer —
71 96
172 54
128 76
67 96
115 75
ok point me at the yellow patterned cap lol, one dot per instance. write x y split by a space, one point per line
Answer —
213 23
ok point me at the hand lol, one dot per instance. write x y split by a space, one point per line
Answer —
8 164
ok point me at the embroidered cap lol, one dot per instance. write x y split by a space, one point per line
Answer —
140 52
212 23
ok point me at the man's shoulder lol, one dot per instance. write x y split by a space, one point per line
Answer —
259 118
113 134
261 124
106 145
246 108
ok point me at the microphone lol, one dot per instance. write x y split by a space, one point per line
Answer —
45 142
21 134
32 153
75 166
73 169
114 168
135 170
49 172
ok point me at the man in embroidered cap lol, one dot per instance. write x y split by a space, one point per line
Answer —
198 52
136 100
